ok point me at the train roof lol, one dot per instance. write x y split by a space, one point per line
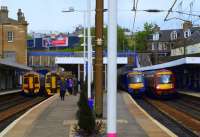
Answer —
52 72
134 72
186 60
31 72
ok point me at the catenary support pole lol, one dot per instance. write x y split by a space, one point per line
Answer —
112 69
105 74
89 47
99 58
84 45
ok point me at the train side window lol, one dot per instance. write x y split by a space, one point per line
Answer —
48 80
25 80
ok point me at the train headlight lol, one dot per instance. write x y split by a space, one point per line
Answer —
157 87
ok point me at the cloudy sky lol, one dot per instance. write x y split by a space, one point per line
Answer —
46 15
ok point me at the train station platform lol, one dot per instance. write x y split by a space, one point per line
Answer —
190 93
53 118
10 92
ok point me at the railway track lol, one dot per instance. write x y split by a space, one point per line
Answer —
180 112
14 107
188 106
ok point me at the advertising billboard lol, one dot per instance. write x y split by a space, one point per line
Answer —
56 41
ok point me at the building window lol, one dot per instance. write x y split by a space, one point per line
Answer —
160 46
10 36
173 35
187 33
156 36
152 46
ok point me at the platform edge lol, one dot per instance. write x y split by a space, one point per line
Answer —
11 125
169 132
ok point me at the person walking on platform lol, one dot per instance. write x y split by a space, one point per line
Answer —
66 84
62 83
70 85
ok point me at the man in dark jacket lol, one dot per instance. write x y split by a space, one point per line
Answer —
62 84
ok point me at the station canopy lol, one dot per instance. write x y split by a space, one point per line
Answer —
14 65
182 61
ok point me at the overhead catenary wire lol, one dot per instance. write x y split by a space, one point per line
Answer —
135 5
189 13
170 10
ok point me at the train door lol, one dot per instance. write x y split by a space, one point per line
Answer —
36 81
26 82
53 82
31 81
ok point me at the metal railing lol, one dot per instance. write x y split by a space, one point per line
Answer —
76 54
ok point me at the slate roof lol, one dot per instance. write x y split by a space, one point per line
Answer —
165 34
194 38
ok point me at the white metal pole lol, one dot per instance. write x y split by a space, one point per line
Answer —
84 45
105 77
112 69
89 47
79 88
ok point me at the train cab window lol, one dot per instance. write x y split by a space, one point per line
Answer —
25 80
136 79
36 80
165 79
48 80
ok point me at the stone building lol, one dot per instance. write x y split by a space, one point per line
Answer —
171 42
13 37
165 40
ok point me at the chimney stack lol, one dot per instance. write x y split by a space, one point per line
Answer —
157 28
187 25
20 16
4 13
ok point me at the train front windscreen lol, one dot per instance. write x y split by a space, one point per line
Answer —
136 79
165 79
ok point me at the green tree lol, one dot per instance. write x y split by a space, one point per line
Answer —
85 115
122 41
141 37
29 37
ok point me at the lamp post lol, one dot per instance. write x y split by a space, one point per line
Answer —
90 64
84 38
89 43
84 46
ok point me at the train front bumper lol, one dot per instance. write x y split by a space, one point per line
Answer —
136 88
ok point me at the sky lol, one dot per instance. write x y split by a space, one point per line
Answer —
46 15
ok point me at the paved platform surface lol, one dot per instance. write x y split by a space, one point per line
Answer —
49 120
190 93
9 92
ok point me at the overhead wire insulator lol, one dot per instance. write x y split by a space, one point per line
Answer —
154 10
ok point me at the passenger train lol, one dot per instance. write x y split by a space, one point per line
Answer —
33 83
160 83
131 81
51 83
